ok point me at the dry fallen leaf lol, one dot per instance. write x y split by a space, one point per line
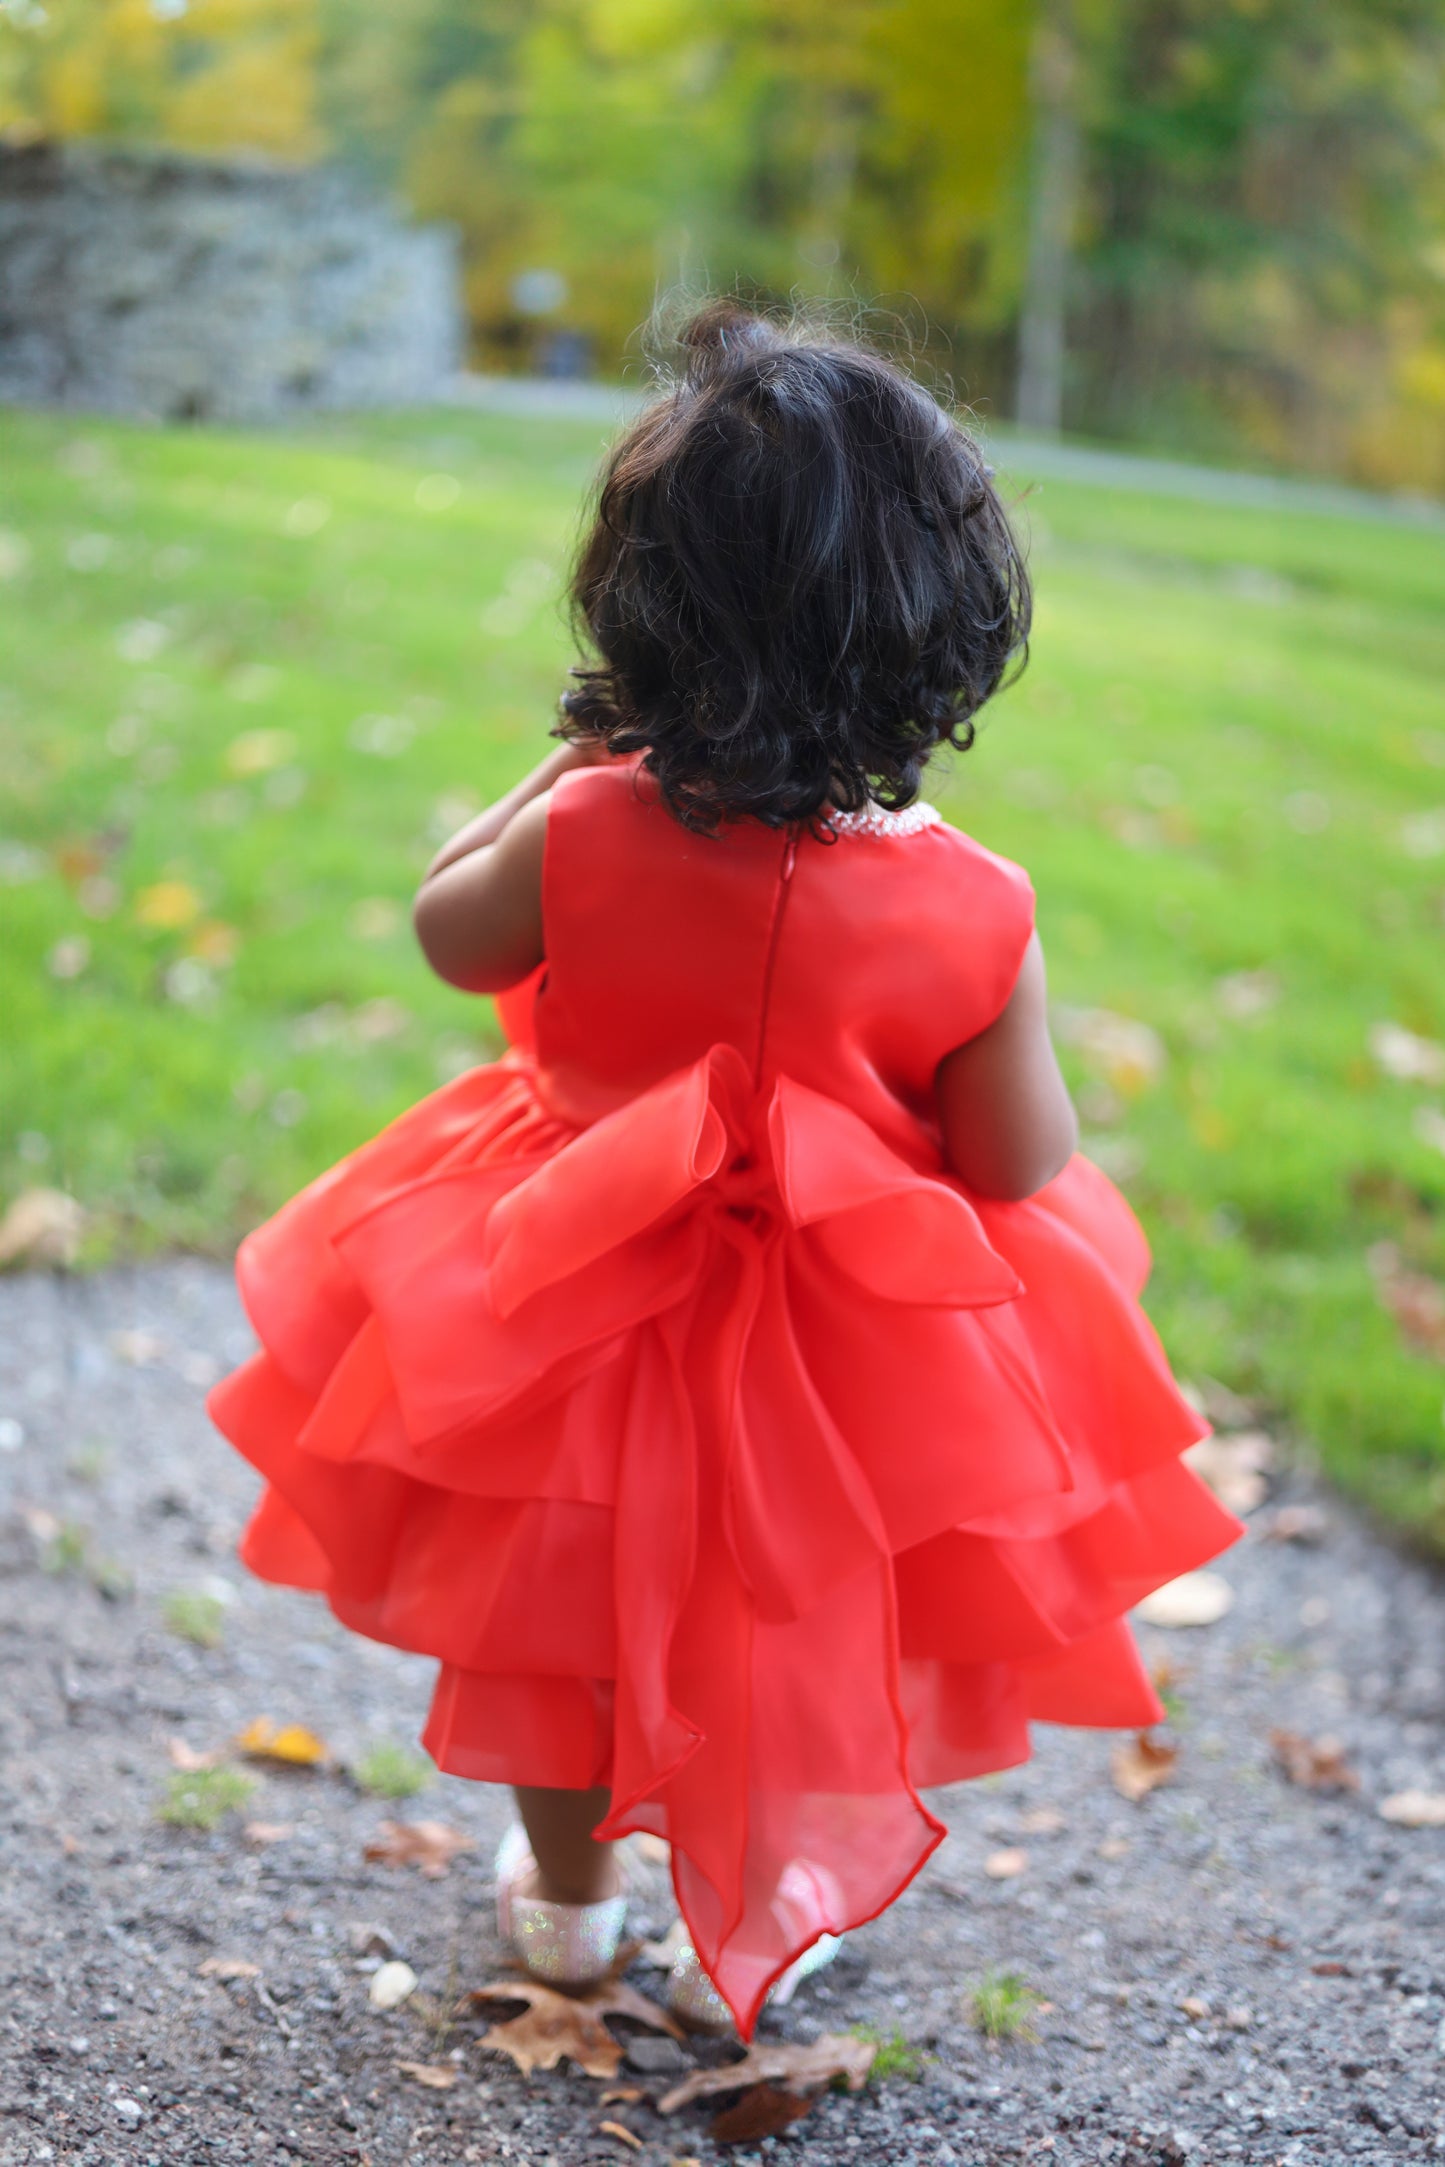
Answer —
1192 1599
1416 1303
214 942
625 2095
620 2129
1405 1057
436 2076
1005 1865
1243 995
1042 1821
187 1759
1234 1468
1414 1809
1298 1523
140 1348
764 2111
290 1743
42 1226
554 2026
228 1967
264 1832
167 906
256 752
1316 1764
429 1845
1140 1765
800 2068
1193 2006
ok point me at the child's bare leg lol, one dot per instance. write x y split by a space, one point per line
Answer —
572 1868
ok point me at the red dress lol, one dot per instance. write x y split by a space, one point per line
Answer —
661 1382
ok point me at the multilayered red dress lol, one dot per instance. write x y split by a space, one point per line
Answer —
661 1381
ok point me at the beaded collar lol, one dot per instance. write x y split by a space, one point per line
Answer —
878 820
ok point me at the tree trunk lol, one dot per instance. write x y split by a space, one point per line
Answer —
1053 201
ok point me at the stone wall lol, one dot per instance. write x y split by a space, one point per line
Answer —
184 288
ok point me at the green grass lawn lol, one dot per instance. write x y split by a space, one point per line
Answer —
248 681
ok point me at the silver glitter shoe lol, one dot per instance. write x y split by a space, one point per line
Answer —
692 1997
563 1944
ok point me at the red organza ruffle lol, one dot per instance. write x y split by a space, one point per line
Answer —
722 1458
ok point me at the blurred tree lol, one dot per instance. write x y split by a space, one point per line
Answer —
201 74
769 142
1261 249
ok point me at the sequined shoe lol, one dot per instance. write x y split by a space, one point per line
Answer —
692 1997
563 1944
807 1894
694 2000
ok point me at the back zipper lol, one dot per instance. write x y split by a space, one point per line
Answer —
775 926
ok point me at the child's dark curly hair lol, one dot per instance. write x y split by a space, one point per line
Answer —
799 581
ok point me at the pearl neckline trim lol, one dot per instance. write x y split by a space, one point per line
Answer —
879 820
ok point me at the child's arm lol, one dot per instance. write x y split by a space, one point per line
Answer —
478 912
1008 1123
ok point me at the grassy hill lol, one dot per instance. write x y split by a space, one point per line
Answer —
247 681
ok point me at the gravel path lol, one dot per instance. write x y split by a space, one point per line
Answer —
1236 1969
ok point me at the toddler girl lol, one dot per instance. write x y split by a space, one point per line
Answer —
740 1386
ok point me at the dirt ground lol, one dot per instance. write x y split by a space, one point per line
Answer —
1236 1968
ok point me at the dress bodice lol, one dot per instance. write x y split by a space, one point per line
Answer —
851 965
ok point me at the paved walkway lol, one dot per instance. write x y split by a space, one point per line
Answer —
1235 1969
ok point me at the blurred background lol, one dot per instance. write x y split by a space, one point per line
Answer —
315 316
1220 227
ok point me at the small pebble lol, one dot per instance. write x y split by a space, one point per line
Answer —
656 2057
392 1985
128 2111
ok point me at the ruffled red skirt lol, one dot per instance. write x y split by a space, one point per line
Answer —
723 1459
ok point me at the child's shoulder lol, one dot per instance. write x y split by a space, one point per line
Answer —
937 850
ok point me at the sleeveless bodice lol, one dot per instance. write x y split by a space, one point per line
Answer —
851 965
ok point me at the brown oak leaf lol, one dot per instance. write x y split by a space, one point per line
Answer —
555 2025
428 1845
1140 1765
762 2111
796 2067
1316 1764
